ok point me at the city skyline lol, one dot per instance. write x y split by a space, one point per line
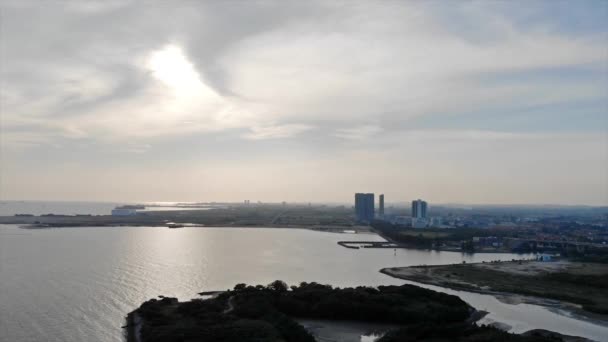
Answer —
471 102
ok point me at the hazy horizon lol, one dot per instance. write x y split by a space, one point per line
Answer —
406 203
459 102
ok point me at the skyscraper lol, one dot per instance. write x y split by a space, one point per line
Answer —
419 214
418 209
364 207
381 205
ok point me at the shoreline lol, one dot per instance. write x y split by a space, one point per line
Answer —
388 244
396 245
322 229
418 274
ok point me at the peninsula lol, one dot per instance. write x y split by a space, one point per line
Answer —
579 287
273 313
292 216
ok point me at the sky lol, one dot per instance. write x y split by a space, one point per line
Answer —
486 102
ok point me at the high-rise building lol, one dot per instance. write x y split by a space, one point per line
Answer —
419 214
364 207
419 209
381 205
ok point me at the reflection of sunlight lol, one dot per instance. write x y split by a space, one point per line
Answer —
171 67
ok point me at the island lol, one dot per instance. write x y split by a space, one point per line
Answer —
276 312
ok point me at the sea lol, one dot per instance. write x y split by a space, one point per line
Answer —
10 208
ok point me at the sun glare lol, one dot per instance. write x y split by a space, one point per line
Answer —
188 94
171 67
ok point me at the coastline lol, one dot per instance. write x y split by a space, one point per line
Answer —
322 229
170 219
426 275
303 310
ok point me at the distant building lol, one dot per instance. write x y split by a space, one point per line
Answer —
123 212
381 205
127 210
401 220
419 209
419 218
436 222
364 207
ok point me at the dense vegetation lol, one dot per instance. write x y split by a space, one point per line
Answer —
264 313
460 332
390 304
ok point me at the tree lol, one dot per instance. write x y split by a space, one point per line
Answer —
278 286
239 287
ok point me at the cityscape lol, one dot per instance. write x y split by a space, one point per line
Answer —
578 230
542 229
366 212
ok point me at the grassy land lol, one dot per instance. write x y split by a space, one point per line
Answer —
265 313
263 215
585 284
437 237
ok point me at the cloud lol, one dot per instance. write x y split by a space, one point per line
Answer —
302 63
95 79
275 132
141 148
358 133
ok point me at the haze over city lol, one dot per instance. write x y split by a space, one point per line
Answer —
476 102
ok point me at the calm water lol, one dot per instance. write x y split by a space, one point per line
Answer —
77 284
10 208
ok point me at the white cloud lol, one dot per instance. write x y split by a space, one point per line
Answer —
353 63
121 76
275 131
353 69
